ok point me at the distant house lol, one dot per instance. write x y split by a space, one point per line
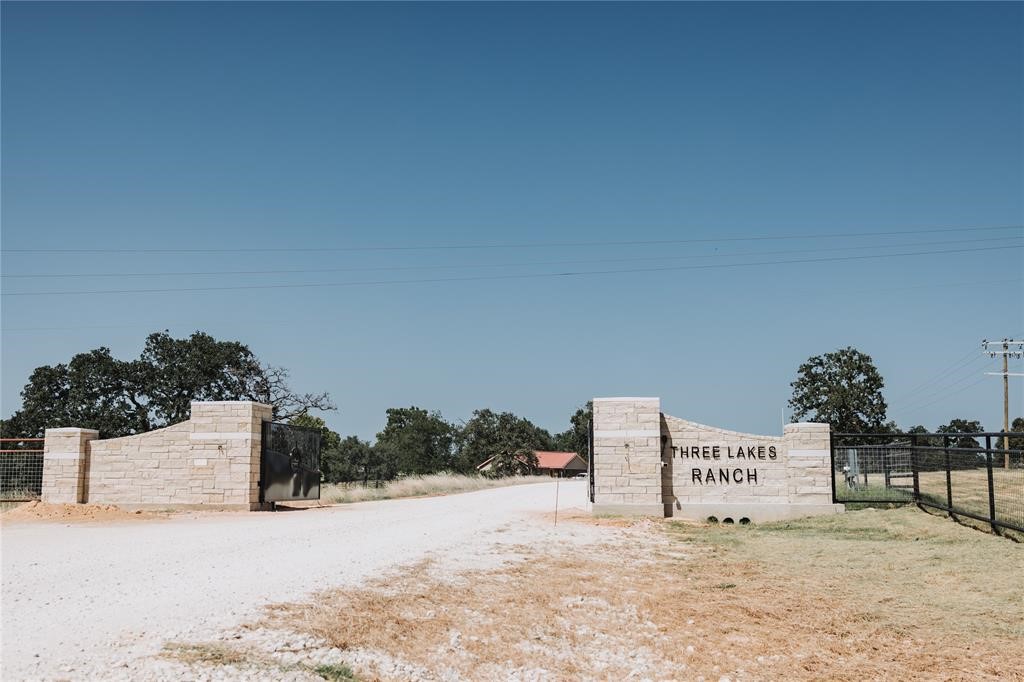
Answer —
554 464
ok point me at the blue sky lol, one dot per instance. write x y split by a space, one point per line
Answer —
561 126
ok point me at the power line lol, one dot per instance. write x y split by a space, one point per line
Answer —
945 383
970 358
161 325
525 245
944 396
504 277
495 265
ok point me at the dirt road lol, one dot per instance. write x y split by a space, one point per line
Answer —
80 600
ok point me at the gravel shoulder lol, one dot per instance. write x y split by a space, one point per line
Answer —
85 601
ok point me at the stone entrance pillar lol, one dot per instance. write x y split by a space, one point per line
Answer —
627 456
64 464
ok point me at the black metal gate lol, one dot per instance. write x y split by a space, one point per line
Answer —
289 463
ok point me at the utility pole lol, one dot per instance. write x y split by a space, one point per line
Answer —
1006 353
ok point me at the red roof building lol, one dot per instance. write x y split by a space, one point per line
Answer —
555 464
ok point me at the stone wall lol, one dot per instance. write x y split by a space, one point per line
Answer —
64 462
627 455
213 459
695 471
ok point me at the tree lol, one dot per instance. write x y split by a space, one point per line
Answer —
509 462
329 445
353 460
843 389
272 389
930 442
1016 442
118 397
489 432
577 438
962 426
416 442
94 390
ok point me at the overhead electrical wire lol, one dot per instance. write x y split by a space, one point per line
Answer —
477 266
917 408
160 325
522 245
953 368
510 276
951 379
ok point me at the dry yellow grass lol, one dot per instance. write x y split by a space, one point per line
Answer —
420 486
207 653
885 595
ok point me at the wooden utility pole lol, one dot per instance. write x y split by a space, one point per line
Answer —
1006 353
1006 402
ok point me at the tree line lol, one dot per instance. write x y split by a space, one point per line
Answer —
95 390
123 397
844 389
415 442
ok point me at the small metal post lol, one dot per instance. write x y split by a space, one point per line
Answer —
914 468
885 466
949 479
991 485
557 481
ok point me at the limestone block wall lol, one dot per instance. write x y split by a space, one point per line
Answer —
649 463
627 455
64 464
810 463
211 459
712 465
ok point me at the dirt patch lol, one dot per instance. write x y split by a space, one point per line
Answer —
879 595
75 513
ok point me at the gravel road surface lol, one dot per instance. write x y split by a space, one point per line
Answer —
79 599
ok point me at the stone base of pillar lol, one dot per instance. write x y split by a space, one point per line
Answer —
657 510
756 513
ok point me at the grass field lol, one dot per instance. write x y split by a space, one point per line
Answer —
969 488
420 486
872 594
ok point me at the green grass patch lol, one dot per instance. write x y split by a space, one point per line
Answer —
336 672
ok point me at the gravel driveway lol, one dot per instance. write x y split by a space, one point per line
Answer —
80 598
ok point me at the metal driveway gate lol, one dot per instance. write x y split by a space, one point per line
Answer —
289 463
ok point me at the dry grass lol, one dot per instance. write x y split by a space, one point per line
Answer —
969 488
882 595
420 486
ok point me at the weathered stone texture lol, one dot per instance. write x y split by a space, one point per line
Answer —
658 462
211 459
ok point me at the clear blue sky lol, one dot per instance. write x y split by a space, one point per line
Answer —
319 126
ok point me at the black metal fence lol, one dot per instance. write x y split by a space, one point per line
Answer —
21 469
963 474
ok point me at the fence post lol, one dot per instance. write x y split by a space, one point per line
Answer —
914 469
991 485
949 479
886 467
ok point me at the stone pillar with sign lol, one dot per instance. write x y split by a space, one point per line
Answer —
652 464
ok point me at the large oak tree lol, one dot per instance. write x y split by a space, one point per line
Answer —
843 389
121 397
